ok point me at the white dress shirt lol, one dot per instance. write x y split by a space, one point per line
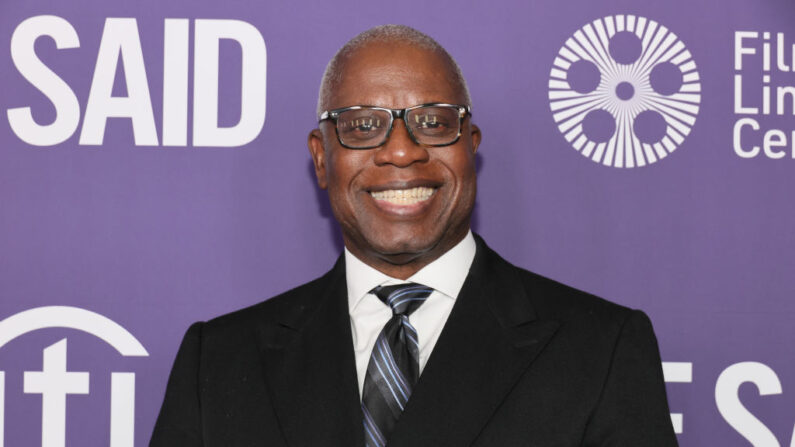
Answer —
445 276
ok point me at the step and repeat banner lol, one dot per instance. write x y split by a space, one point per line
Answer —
154 172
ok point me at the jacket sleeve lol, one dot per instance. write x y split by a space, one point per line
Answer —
633 408
179 422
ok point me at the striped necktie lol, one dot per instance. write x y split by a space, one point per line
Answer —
394 364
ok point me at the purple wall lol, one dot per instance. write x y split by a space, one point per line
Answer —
156 237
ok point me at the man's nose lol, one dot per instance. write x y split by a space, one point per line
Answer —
400 149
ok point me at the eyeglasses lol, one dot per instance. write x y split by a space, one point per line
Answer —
367 127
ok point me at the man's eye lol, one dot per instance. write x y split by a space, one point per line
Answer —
362 125
428 121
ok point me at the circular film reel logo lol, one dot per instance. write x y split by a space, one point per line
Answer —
624 91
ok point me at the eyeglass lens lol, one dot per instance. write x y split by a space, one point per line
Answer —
432 125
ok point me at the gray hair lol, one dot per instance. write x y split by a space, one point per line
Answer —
386 34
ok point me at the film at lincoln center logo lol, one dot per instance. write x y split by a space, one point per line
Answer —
624 91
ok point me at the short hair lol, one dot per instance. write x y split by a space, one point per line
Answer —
385 34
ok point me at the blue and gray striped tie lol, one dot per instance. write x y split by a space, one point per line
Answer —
394 364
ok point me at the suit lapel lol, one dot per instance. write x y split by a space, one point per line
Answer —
489 340
310 368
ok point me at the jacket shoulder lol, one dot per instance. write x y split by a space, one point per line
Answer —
557 301
562 300
283 308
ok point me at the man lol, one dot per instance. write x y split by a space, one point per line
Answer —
420 335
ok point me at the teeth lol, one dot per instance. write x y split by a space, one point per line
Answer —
404 196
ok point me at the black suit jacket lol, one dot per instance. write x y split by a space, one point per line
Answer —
522 361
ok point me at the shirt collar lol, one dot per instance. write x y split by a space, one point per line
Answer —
445 274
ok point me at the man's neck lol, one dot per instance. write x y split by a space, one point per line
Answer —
404 265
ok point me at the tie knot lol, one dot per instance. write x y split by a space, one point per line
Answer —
403 298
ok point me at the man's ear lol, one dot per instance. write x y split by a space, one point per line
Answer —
318 151
475 133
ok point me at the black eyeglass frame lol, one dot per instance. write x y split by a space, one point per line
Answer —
333 114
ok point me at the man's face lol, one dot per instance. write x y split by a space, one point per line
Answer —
380 196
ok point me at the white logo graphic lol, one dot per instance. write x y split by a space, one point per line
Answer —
624 91
54 382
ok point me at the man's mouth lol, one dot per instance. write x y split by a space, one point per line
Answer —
409 196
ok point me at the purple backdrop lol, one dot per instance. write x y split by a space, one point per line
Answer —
156 237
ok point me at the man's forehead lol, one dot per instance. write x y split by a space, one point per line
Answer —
394 73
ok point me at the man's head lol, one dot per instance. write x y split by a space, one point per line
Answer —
401 204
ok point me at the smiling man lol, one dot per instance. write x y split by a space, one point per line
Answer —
420 335
396 152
